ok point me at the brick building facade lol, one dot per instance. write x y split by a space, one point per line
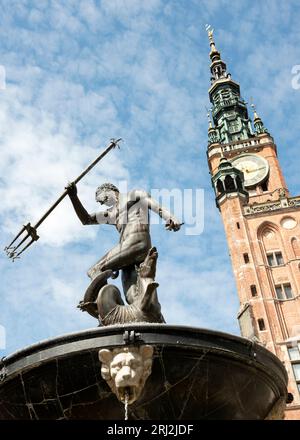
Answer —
262 223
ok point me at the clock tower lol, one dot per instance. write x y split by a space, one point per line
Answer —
262 223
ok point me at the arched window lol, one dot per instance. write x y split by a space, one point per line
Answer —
220 186
229 184
271 245
239 183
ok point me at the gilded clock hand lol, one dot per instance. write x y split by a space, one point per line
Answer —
256 169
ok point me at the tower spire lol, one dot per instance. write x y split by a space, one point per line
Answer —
218 67
229 111
257 122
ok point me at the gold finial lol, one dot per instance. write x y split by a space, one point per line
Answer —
254 111
210 33
210 126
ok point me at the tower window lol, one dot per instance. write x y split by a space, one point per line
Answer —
284 291
275 259
246 258
264 186
220 187
229 183
294 354
296 368
253 290
261 324
238 225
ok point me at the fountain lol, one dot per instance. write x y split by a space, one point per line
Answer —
134 361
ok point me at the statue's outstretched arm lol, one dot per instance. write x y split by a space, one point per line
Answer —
172 223
82 214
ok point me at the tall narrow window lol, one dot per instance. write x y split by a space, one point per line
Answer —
246 258
296 368
229 184
284 291
294 354
279 292
220 186
238 225
288 291
271 260
261 324
253 290
279 259
264 186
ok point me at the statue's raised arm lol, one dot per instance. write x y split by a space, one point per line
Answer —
172 223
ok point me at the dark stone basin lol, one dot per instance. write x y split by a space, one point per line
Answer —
197 374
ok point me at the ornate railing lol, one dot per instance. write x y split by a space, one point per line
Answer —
241 145
227 103
283 203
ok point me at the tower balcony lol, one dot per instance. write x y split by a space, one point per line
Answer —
252 144
228 103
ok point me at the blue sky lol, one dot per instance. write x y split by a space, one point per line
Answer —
81 72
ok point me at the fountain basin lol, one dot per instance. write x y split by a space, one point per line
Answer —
196 374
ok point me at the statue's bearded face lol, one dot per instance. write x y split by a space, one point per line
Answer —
107 197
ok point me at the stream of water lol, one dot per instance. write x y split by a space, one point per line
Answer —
126 404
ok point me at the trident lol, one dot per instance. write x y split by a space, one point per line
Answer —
30 231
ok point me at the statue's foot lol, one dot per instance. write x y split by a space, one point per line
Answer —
90 307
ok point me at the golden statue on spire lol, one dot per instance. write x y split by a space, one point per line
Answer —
210 33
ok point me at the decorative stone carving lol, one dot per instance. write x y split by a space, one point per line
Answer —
272 206
126 370
282 192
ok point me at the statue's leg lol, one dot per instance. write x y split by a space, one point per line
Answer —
123 255
97 268
129 281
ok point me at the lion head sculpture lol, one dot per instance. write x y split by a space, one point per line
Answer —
126 370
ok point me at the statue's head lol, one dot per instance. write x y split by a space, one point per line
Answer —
126 370
107 194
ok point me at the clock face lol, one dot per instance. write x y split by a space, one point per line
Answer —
255 168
